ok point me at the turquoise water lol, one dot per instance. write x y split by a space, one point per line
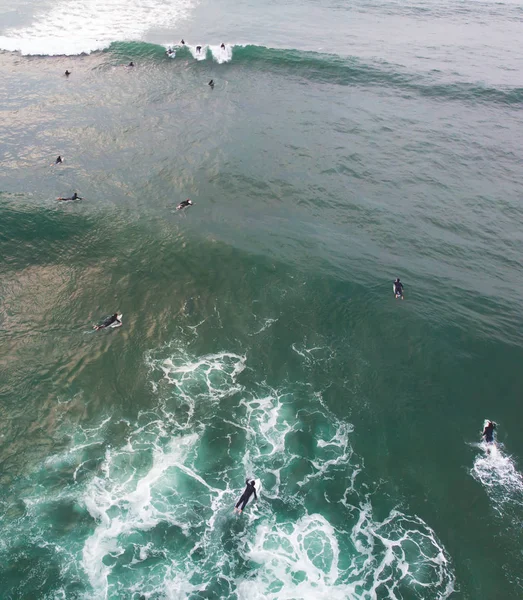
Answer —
342 146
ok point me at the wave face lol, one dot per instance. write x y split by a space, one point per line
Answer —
315 67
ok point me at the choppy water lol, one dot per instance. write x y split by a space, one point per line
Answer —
342 145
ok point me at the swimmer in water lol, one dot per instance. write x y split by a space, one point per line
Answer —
211 83
182 42
398 288
244 498
109 321
198 49
59 160
222 46
75 196
131 64
170 51
184 204
67 73
488 432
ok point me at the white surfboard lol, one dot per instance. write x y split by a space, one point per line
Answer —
257 487
116 324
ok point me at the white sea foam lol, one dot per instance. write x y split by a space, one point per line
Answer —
221 55
82 26
161 498
499 475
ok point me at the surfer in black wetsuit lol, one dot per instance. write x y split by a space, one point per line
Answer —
58 160
488 432
131 64
75 196
182 42
67 73
222 46
398 288
109 321
244 498
198 49
184 204
211 84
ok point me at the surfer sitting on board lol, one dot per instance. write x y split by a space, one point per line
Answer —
488 431
398 288
247 493
109 321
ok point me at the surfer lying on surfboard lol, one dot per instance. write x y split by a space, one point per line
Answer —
75 196
116 318
488 431
398 288
247 493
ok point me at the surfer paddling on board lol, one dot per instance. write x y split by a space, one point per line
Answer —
75 196
184 204
488 431
109 321
59 160
244 498
398 288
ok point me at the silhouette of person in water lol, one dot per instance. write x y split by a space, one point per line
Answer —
59 160
182 42
247 493
75 196
67 73
198 49
222 46
211 84
131 64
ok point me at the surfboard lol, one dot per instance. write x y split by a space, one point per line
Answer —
116 324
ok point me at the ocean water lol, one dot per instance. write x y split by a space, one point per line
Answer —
343 145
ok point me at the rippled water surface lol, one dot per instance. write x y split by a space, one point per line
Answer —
341 146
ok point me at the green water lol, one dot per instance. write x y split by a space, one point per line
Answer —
260 335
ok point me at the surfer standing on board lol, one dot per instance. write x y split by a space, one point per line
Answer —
244 498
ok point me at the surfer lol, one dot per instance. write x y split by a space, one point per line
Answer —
398 288
222 46
59 160
488 431
67 73
182 42
211 84
198 49
170 51
184 204
109 321
75 196
131 64
244 498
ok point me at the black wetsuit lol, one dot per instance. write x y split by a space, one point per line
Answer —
247 493
184 204
488 432
109 321
398 286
